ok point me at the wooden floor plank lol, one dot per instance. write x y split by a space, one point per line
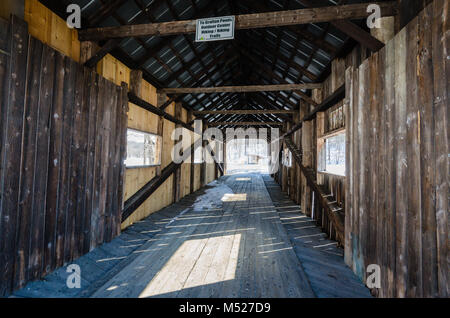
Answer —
237 237
320 257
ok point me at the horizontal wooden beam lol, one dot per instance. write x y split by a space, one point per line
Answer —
358 34
245 112
156 110
240 89
243 22
245 123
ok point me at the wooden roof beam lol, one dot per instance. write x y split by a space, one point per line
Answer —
349 28
240 89
243 22
245 112
245 123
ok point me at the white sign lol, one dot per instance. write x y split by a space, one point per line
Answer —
215 29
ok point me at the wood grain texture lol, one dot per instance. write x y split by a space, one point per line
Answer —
248 21
11 150
59 188
239 89
398 139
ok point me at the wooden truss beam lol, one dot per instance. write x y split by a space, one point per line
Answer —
243 22
240 89
349 28
245 123
245 112
156 110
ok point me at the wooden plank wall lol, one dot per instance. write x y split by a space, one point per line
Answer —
143 120
397 209
146 121
62 150
52 30
307 139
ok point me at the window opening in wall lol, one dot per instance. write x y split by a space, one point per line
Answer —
334 155
247 155
143 149
287 158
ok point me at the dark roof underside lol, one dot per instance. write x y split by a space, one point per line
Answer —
297 54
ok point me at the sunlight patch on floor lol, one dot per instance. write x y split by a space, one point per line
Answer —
197 263
234 197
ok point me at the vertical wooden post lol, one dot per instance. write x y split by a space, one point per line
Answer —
87 50
291 171
190 117
298 175
136 82
177 173
284 172
307 158
224 154
348 105
216 171
204 165
321 154
161 99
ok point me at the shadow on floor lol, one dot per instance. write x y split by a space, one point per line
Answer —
231 239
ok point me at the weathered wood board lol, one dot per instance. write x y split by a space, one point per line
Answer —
398 148
62 136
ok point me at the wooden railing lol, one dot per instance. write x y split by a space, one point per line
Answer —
332 220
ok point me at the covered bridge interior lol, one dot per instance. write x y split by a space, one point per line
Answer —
353 198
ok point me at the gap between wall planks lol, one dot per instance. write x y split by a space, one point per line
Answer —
399 150
61 160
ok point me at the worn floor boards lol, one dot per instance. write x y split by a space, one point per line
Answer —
320 257
235 238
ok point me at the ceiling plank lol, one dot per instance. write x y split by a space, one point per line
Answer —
243 22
